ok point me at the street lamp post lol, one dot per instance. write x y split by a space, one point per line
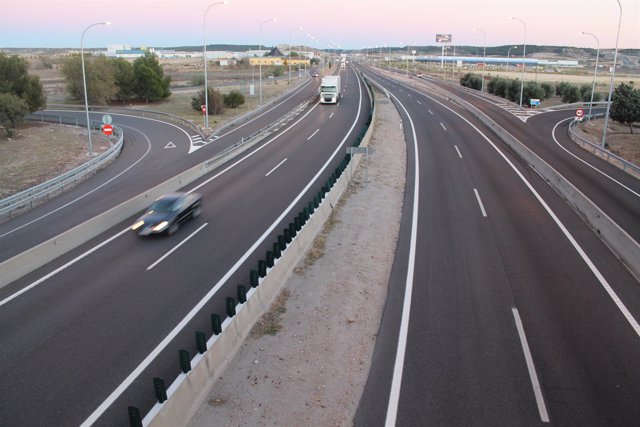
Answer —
524 51
613 73
260 49
595 72
290 34
204 55
509 56
484 55
84 81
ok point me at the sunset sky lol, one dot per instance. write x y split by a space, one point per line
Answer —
348 23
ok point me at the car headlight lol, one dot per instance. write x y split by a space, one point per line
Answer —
137 225
161 226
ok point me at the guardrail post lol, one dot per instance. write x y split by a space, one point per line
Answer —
254 279
216 325
231 307
185 361
160 390
242 294
134 416
287 235
262 268
282 242
276 250
296 223
293 229
269 259
201 342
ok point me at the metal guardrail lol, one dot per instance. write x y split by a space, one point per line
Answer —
29 198
599 151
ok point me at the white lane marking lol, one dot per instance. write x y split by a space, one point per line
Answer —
537 391
174 332
276 167
394 394
459 153
177 246
443 126
419 102
484 213
553 134
313 134
332 114
13 230
430 112
63 267
170 145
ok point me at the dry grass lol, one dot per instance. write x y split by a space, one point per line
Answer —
620 141
269 323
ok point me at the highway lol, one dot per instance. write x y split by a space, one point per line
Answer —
504 307
85 341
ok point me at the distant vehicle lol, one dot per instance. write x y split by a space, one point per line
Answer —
419 74
330 90
167 213
314 75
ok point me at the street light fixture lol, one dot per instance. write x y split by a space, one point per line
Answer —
524 51
290 34
204 55
509 56
260 49
613 73
484 61
595 72
84 81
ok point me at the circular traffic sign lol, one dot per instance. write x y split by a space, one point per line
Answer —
106 119
107 129
579 112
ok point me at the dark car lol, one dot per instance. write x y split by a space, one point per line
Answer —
167 213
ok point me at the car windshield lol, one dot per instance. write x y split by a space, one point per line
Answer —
327 89
163 205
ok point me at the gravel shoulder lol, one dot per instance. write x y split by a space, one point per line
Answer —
307 360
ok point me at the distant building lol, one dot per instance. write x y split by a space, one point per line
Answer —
275 57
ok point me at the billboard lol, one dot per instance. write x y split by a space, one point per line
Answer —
443 38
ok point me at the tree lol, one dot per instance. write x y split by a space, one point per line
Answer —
571 93
625 105
472 81
513 90
498 86
149 81
216 103
124 79
15 79
532 90
233 99
549 90
278 71
12 110
99 72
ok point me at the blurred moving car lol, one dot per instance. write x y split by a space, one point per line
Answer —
167 213
314 75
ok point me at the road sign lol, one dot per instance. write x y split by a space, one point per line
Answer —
443 38
534 102
204 109
106 119
107 129
579 112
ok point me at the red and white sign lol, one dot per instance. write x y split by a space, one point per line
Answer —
579 112
107 129
204 109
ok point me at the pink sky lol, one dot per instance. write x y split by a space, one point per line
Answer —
348 23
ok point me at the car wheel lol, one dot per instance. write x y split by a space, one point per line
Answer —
196 212
173 228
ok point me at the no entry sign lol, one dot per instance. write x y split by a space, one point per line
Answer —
107 129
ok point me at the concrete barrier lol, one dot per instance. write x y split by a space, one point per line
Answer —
188 391
618 240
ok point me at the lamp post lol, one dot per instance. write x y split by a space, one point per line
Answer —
290 34
84 81
260 48
204 55
509 56
524 51
613 73
595 72
484 55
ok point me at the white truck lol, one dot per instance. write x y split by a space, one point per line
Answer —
330 90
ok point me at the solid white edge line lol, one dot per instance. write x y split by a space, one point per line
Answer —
394 394
332 114
553 134
62 267
537 391
484 213
174 332
313 134
603 282
177 246
443 126
458 150
276 167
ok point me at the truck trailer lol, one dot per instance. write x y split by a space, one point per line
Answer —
330 90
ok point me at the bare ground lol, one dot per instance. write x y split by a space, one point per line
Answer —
307 360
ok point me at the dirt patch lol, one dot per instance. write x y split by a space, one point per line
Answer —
620 141
313 371
40 151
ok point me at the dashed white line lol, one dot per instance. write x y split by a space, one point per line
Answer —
459 153
177 246
430 112
443 126
332 114
419 102
537 391
313 134
484 213
276 167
